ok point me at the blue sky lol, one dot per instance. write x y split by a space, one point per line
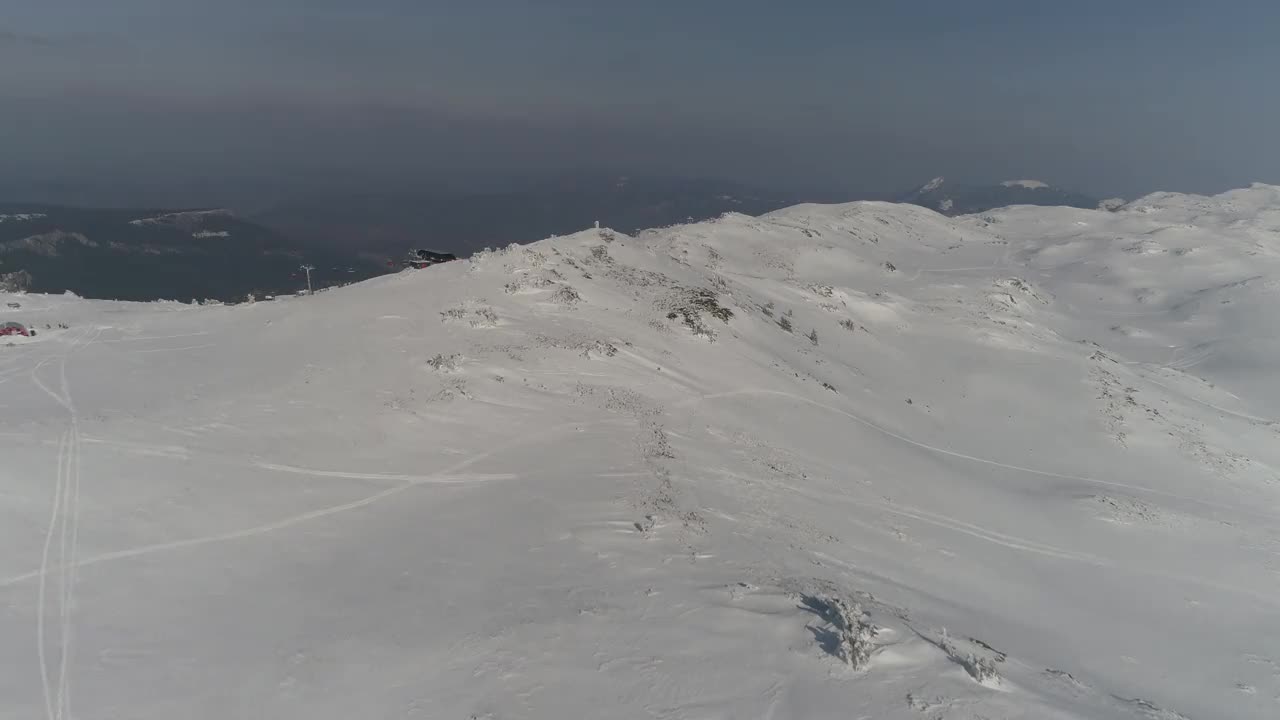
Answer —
1110 97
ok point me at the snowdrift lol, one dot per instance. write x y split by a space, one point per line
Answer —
836 461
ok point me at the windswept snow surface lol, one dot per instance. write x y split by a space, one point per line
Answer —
856 461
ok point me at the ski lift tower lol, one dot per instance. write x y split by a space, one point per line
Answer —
308 269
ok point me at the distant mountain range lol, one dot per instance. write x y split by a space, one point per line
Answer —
955 199
149 254
463 221
140 254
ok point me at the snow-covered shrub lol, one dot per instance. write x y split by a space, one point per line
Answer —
636 277
1021 286
482 258
854 635
534 258
566 295
577 342
690 304
657 445
625 401
981 668
527 281
600 347
444 363
484 317
714 259
475 313
452 389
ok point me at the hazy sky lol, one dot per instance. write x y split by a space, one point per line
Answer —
1106 96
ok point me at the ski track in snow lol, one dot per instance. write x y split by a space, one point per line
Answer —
433 479
65 515
1010 541
175 349
158 337
41 603
447 476
1005 540
1205 403
1024 545
940 271
985 461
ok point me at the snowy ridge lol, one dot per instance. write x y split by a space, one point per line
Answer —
188 220
185 217
20 217
835 461
1028 184
47 244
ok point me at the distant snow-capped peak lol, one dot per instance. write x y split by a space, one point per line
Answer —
1028 184
933 184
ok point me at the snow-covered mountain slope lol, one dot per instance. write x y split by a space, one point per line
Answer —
837 461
